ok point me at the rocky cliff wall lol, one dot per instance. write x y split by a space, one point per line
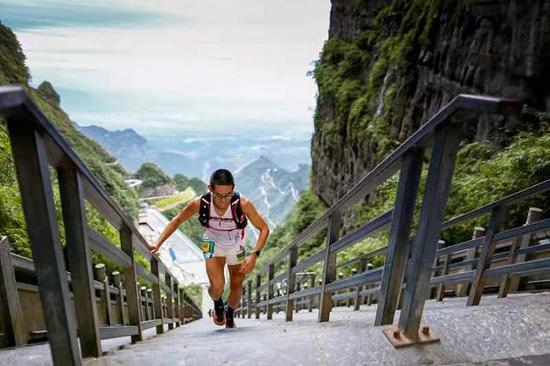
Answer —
389 65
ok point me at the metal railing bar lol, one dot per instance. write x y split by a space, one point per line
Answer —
359 279
368 229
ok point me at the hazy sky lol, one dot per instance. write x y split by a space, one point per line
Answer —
164 64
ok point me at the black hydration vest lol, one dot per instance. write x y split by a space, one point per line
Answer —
236 210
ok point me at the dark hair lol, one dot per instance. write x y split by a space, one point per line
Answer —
222 177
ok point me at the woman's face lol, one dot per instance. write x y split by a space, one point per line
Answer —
221 195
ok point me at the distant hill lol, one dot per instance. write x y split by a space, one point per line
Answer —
129 147
274 191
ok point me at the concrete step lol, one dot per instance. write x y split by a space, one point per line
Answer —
511 331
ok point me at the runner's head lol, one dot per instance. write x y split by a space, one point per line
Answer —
221 186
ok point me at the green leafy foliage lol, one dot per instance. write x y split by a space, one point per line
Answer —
152 176
182 183
194 291
307 209
46 91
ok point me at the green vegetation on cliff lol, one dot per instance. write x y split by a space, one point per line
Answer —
111 176
387 65
361 80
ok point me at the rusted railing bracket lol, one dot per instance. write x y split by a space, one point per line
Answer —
399 339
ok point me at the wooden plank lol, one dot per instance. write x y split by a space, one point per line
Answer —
151 323
116 331
11 315
130 278
40 214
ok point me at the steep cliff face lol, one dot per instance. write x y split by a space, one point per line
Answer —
389 65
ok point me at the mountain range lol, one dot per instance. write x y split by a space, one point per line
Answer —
274 187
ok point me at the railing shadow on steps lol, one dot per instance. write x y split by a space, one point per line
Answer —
37 145
408 275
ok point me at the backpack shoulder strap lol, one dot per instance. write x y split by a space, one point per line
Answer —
204 210
237 211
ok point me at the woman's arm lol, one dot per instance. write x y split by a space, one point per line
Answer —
189 210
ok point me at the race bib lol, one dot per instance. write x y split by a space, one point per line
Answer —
207 246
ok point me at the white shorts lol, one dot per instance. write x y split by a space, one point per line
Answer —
233 255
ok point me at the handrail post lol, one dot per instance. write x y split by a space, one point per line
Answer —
249 299
101 276
145 300
399 243
312 297
181 315
436 193
349 300
298 287
157 301
31 165
175 289
117 282
79 260
258 294
142 305
169 297
484 262
440 293
362 268
472 254
11 314
130 279
150 304
513 284
271 275
292 258
329 267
